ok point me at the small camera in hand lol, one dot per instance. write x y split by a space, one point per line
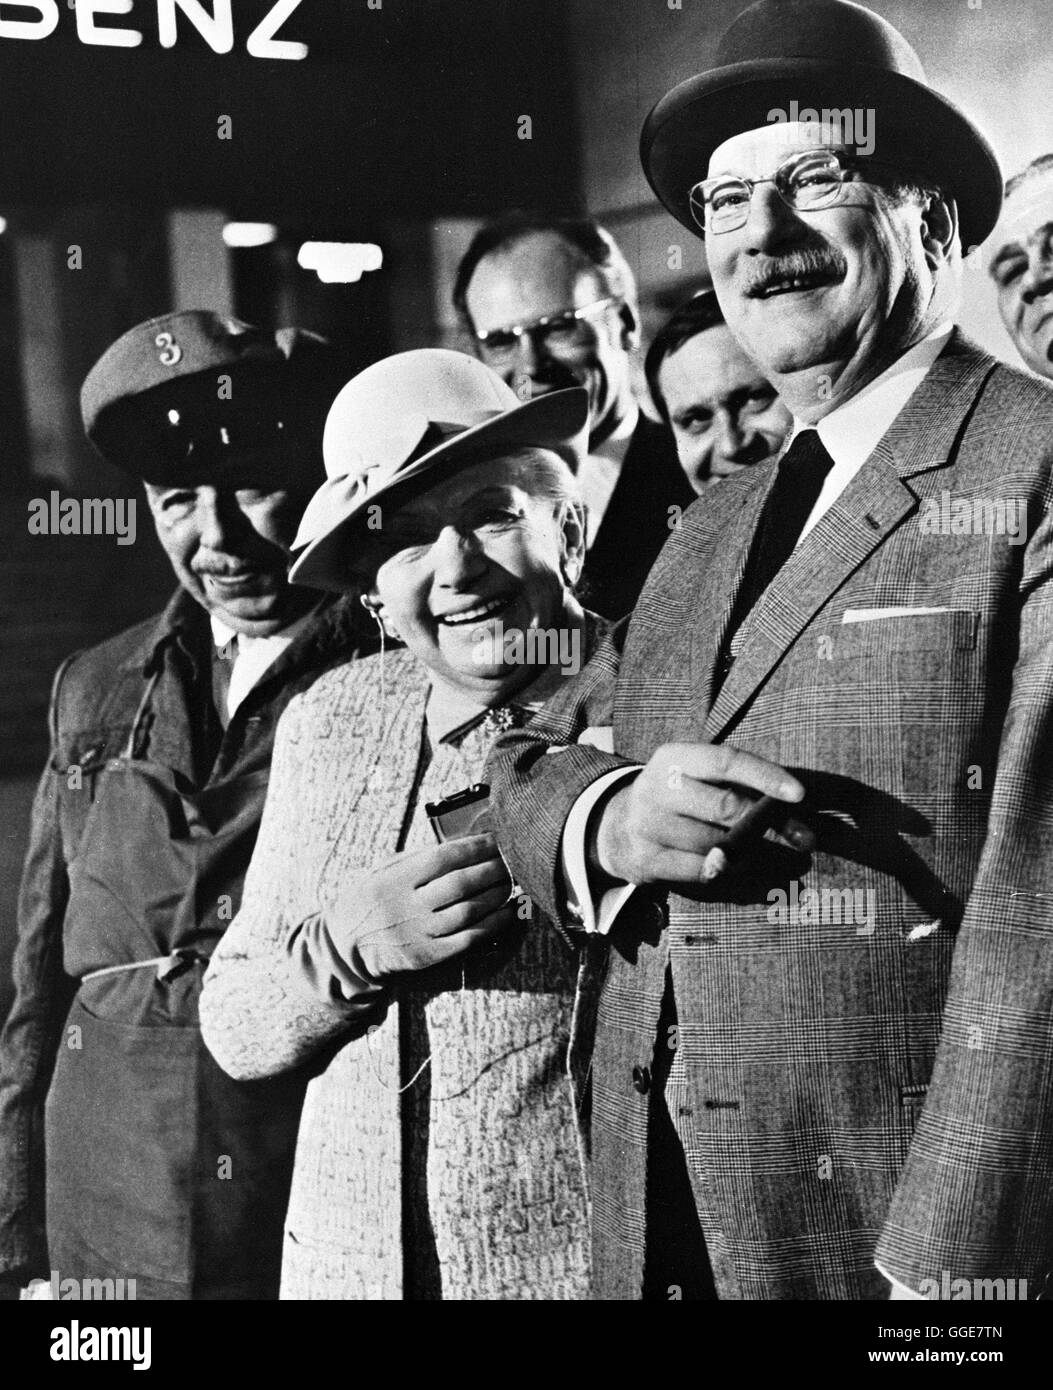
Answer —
463 813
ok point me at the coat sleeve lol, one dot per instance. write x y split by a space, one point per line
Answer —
260 1013
975 1197
33 1030
538 772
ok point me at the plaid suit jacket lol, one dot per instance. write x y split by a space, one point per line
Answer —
864 1053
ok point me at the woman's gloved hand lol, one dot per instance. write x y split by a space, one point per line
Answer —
422 909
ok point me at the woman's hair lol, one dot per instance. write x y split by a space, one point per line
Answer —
542 471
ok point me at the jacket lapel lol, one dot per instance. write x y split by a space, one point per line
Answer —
716 596
870 509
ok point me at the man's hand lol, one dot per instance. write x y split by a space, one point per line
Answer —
423 909
660 827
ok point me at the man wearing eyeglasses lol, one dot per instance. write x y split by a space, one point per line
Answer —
820 836
1021 263
551 303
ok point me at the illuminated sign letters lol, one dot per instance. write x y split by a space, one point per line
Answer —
40 18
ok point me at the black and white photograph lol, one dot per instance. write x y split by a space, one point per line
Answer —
527 703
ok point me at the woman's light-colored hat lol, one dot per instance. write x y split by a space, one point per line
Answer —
419 415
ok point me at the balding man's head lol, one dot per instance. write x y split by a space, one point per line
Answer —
551 303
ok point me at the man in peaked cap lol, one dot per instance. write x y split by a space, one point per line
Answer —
153 1166
826 1027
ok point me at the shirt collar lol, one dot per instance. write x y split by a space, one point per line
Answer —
852 432
224 636
450 714
616 445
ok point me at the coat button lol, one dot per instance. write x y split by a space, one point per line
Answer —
642 1079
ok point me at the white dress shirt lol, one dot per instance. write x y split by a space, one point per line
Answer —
254 656
601 468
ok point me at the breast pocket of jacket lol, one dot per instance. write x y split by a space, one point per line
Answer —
78 767
875 634
913 681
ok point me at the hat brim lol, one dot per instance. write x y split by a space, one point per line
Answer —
912 124
339 509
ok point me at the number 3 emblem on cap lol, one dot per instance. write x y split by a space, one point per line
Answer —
171 352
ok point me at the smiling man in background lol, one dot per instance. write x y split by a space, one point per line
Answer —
551 303
153 1165
1022 263
723 413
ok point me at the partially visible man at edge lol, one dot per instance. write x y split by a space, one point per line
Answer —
823 1065
725 416
549 303
153 1165
1021 263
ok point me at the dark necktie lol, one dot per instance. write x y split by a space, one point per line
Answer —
802 472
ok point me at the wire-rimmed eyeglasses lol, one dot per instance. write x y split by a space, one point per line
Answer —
806 182
556 330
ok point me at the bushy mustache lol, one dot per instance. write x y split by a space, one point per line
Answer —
826 261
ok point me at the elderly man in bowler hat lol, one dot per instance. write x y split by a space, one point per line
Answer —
821 842
154 1166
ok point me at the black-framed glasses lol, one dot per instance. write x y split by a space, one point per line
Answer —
805 182
565 329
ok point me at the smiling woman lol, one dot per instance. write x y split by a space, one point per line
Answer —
438 1155
495 548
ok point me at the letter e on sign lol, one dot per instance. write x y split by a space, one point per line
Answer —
89 31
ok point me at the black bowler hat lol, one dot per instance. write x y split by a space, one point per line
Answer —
821 54
197 397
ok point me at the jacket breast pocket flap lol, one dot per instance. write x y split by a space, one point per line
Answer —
953 630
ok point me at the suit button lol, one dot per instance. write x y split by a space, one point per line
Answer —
642 1079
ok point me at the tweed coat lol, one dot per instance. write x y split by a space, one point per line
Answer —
438 1154
847 1085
